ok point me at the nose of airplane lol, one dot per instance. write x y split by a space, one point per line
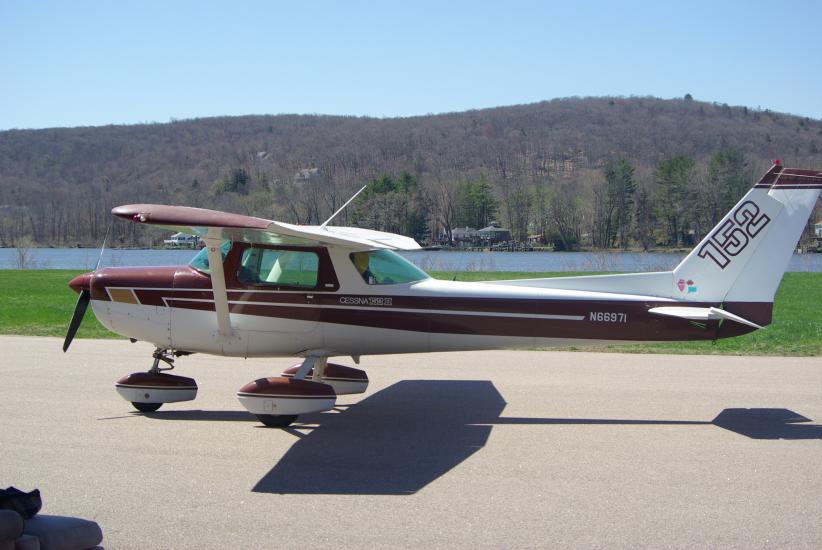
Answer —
81 282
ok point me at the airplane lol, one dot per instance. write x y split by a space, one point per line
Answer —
263 288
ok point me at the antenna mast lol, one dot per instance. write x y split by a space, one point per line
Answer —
341 208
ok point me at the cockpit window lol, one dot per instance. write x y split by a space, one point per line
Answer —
200 261
384 267
267 266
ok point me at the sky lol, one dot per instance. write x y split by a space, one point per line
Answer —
90 63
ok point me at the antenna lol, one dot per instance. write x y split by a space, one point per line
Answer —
340 209
103 248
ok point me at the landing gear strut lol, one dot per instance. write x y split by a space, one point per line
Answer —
147 391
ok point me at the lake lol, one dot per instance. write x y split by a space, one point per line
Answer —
86 258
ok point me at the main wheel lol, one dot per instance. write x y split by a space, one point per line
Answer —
276 420
146 407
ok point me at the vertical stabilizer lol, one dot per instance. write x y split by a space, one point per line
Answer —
744 257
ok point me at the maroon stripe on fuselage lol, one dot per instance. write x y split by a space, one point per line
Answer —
639 326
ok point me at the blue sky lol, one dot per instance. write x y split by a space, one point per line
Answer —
80 63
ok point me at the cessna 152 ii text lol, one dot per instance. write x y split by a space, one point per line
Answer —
263 288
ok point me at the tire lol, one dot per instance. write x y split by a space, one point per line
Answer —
146 407
276 420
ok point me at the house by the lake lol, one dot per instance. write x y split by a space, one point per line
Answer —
494 234
183 239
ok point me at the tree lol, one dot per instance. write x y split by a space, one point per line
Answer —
396 205
621 180
235 181
728 180
613 202
476 204
673 178
566 216
644 221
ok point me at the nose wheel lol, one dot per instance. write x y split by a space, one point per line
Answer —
146 407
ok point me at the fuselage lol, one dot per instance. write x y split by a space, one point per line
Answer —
337 312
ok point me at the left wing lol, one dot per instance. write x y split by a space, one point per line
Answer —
236 227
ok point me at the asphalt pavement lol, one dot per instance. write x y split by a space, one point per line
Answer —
495 449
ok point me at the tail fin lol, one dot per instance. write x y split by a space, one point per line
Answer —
744 257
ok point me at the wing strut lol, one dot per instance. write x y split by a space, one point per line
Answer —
215 262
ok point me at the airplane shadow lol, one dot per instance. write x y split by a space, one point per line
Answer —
392 443
400 439
768 424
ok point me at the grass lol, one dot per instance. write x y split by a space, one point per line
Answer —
39 303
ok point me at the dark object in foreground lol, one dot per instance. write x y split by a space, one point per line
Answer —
46 532
25 504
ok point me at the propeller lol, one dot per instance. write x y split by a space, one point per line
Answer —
77 317
83 300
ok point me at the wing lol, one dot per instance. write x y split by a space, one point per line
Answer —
236 227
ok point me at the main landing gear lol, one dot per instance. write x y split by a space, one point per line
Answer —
312 386
147 391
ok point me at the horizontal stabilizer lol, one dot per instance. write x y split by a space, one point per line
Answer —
700 314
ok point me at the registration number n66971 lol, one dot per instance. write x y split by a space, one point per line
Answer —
608 317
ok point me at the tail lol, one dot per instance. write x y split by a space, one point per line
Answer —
741 261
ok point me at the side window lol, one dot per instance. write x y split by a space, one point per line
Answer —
266 266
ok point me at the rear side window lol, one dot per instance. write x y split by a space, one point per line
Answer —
266 266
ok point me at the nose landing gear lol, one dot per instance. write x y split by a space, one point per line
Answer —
147 391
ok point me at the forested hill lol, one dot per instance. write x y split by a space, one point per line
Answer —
601 171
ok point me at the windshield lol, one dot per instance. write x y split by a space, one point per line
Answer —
200 261
384 267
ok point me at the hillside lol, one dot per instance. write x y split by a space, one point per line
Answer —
57 186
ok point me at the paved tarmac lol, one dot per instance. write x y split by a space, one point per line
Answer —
461 450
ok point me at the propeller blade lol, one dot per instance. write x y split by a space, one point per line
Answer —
77 317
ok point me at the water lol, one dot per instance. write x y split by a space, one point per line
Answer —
86 258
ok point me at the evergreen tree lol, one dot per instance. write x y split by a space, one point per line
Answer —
673 178
613 205
476 204
728 180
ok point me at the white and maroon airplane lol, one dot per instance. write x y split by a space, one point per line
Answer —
262 288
